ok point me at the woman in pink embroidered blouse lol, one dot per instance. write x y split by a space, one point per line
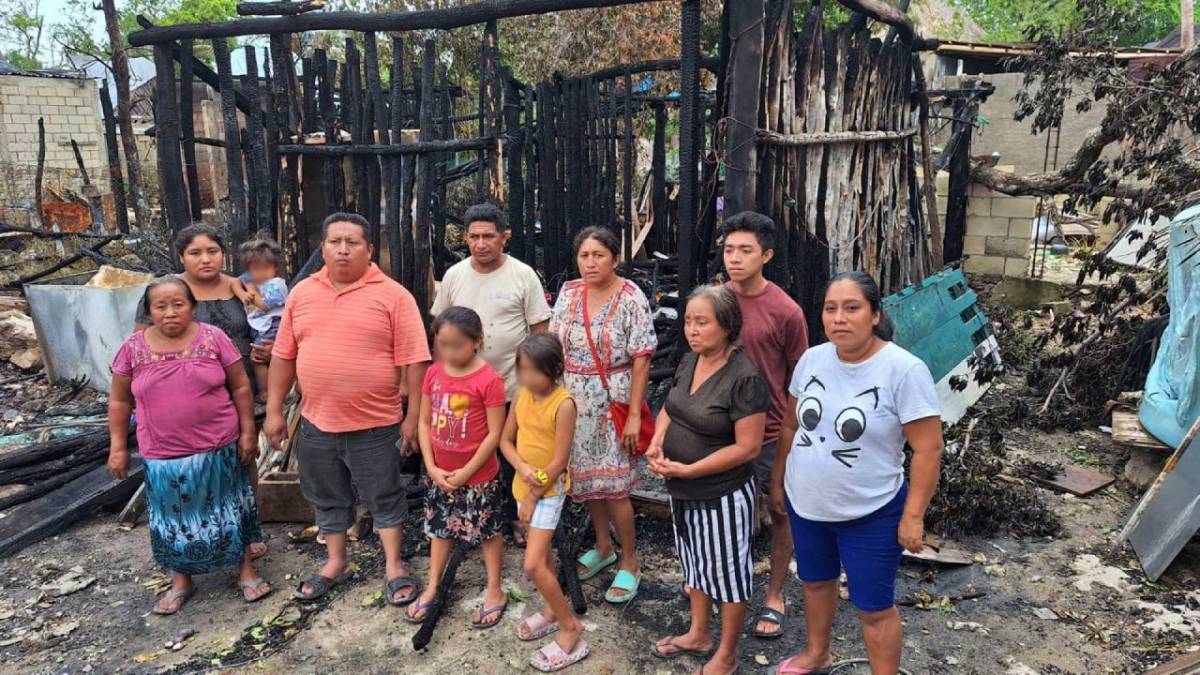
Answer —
195 427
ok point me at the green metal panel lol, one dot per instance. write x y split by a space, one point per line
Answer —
938 320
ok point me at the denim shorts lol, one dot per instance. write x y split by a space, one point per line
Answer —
867 547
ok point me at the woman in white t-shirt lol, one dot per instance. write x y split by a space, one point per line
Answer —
857 399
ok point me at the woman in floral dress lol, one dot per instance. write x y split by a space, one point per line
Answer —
603 470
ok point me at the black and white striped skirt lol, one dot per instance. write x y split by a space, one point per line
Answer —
713 540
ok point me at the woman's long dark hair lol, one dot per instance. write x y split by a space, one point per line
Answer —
870 290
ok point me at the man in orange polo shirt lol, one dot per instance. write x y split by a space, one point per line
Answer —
353 337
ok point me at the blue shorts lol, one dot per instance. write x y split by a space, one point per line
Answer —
867 547
269 334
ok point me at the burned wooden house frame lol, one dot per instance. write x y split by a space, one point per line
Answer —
822 130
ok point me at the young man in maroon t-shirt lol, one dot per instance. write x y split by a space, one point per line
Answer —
774 335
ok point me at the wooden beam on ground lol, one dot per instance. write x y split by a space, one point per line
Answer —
52 513
430 19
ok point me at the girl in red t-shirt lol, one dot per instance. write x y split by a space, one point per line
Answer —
462 416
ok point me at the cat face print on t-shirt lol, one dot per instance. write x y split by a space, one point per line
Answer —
835 427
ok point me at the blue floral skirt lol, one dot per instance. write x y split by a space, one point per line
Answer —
202 511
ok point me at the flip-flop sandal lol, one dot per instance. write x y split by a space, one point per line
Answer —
680 650
624 581
551 657
784 669
481 616
537 627
769 615
594 564
420 607
395 584
254 586
171 597
320 585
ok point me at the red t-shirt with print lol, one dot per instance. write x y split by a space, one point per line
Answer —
458 417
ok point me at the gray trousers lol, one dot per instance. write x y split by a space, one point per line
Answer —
334 466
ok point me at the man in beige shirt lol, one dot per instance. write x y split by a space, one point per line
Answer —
505 292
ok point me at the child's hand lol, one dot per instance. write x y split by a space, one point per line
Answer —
525 509
529 475
441 479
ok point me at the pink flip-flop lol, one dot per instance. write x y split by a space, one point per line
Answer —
785 668
536 627
551 657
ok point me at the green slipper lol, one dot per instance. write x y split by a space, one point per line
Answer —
624 581
595 564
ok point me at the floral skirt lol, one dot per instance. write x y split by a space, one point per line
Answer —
600 467
202 511
472 513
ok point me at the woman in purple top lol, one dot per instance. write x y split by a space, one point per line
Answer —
195 430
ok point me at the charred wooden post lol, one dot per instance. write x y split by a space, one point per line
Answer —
424 183
960 180
928 187
188 127
531 179
352 119
381 125
166 119
392 165
233 147
658 182
595 149
115 179
332 171
514 154
627 154
689 131
39 173
308 85
549 188
489 113
745 81
263 215
287 124
271 127
444 109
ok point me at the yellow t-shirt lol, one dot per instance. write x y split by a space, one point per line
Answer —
535 436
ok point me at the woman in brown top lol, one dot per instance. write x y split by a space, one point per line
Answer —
706 438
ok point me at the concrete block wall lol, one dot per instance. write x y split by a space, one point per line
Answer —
999 229
70 109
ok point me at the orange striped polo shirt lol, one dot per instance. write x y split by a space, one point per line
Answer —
347 346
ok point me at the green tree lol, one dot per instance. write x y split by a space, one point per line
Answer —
1016 20
21 29
75 31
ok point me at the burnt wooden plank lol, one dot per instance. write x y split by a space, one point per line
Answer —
392 165
55 511
514 154
690 122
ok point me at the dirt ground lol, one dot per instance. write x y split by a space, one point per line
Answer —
1109 618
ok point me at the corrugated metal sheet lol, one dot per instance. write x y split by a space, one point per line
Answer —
1172 515
80 328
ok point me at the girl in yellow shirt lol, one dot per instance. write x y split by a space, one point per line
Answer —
537 442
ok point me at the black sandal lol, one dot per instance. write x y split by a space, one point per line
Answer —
769 615
319 585
395 584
